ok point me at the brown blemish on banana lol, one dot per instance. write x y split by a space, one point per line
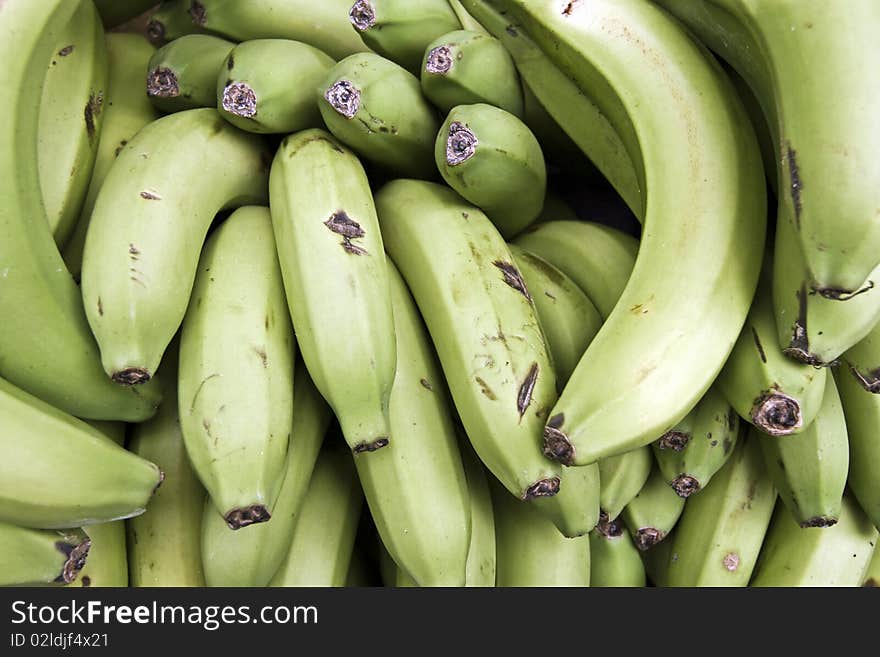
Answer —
569 7
426 384
819 521
777 414
685 485
230 62
870 381
192 406
155 32
556 445
131 376
795 181
100 308
86 581
836 294
758 345
485 389
648 537
91 112
120 147
261 354
609 528
542 488
197 12
150 196
341 224
379 443
674 440
461 144
799 345
239 99
66 50
238 518
76 559
730 561
162 83
362 15
513 278
524 396
344 97
440 60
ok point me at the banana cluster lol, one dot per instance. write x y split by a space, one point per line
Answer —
328 293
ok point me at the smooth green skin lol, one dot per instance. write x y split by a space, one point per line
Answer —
170 21
53 336
33 556
713 427
717 540
416 487
127 109
757 369
531 551
467 21
615 561
702 163
237 356
863 359
571 108
195 60
555 208
251 557
71 118
403 29
323 24
323 537
331 286
598 258
816 556
393 575
394 126
862 412
60 472
872 572
656 562
445 249
159 198
283 75
817 329
116 12
481 559
506 176
482 71
621 478
655 508
810 469
164 542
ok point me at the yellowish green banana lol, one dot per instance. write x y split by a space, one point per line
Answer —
614 559
41 556
182 74
652 514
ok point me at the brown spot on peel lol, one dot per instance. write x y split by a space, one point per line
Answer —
777 414
239 99
542 488
556 446
100 307
648 537
837 294
513 278
674 440
799 345
379 443
197 12
162 83
242 517
461 144
91 112
730 561
156 32
524 396
362 15
685 485
131 376
341 224
439 60
758 345
150 196
485 389
870 381
796 184
609 528
76 559
819 521
66 50
426 384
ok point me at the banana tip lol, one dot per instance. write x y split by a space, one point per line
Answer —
162 83
131 376
685 485
239 99
674 440
542 488
609 528
557 447
362 15
819 521
76 560
648 537
244 516
777 414
362 447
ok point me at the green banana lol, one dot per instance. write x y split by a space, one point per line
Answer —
467 21
572 108
117 12
679 299
171 20
267 85
377 108
41 556
862 414
695 449
182 74
653 512
337 283
719 535
148 226
235 381
163 542
393 576
872 572
126 110
531 551
401 30
496 363
863 360
416 489
58 472
621 478
250 558
816 556
48 350
481 559
775 393
556 208
320 549
464 67
614 559
71 117
810 469
493 160
798 59
656 562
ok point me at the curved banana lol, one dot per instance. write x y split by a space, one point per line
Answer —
126 110
183 73
252 557
48 350
652 514
816 556
621 478
334 270
71 117
679 299
148 226
393 576
614 559
481 559
41 556
863 360
483 326
171 20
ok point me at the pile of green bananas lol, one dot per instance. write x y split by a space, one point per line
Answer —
292 293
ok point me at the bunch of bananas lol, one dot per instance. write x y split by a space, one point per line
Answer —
291 293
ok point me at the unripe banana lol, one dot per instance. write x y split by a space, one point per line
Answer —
336 279
251 558
268 85
400 30
695 449
416 489
117 12
816 556
621 478
57 471
810 469
656 562
171 20
651 515
323 24
235 382
465 67
863 360
872 572
377 108
148 226
556 208
393 576
467 21
71 117
482 323
320 549
614 559
718 537
163 542
183 74
41 556
493 160
775 393
481 560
